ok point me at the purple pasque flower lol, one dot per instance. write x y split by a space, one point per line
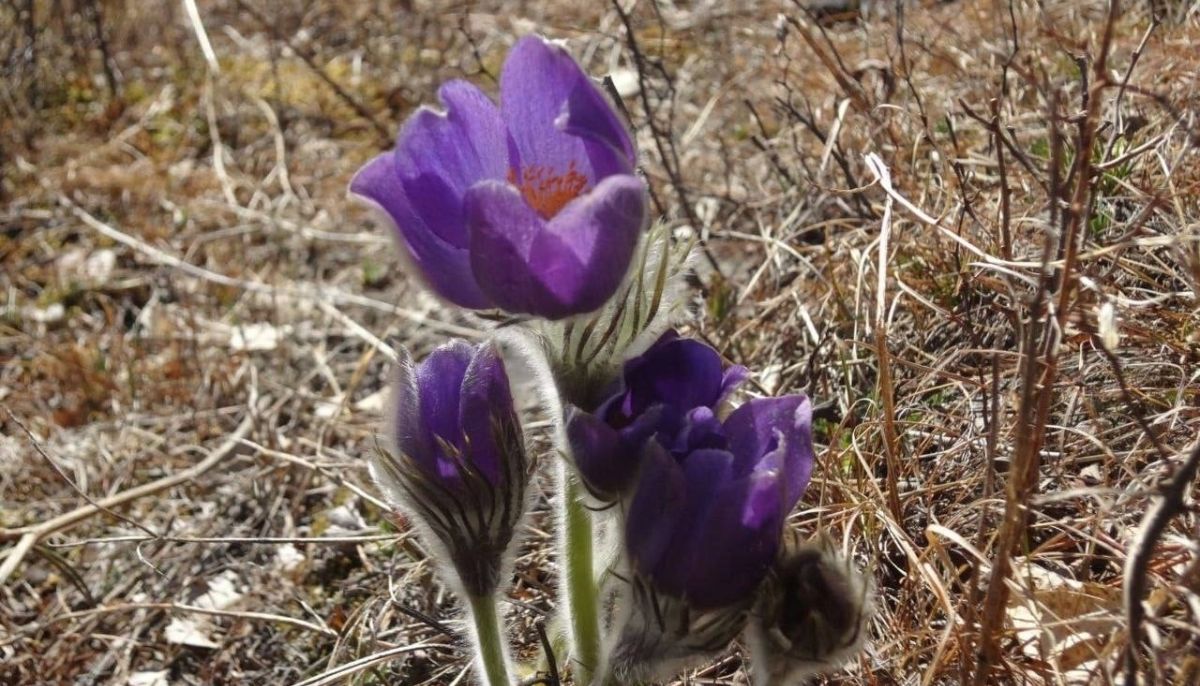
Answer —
456 460
531 206
671 392
706 497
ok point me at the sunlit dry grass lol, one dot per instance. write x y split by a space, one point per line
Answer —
1004 350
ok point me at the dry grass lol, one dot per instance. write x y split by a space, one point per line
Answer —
181 267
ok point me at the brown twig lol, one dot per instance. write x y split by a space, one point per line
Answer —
1005 193
1040 352
664 141
1170 502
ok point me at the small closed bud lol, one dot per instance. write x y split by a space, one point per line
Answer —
811 616
456 460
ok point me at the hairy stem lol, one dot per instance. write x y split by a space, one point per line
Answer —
579 580
490 645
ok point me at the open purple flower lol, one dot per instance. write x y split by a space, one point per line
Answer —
457 460
707 497
531 206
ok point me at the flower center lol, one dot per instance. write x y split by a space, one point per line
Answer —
545 191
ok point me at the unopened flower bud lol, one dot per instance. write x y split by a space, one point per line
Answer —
456 461
811 616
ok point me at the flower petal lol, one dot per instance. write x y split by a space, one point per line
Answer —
444 268
557 116
705 472
740 542
590 115
734 376
657 420
763 426
605 462
598 231
439 379
701 430
443 154
682 372
459 147
503 230
486 414
407 430
571 265
656 508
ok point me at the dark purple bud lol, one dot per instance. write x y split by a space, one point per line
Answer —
710 537
679 373
605 460
702 497
457 462
531 206
671 392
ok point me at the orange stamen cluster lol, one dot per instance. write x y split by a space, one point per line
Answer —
545 191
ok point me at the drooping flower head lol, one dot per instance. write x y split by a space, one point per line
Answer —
531 206
704 497
457 460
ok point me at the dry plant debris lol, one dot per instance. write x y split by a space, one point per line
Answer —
970 230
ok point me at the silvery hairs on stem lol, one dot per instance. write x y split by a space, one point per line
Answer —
456 461
659 636
812 615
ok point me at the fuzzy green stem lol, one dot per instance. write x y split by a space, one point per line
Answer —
489 641
582 597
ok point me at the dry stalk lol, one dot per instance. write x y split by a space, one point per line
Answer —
195 609
880 327
1171 501
1040 355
